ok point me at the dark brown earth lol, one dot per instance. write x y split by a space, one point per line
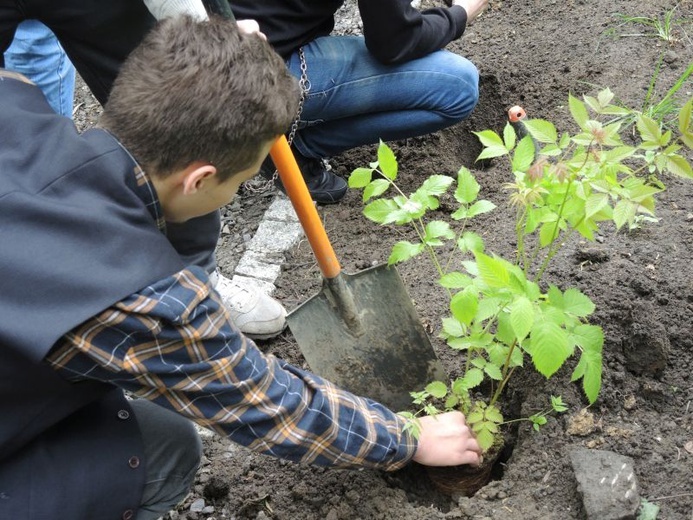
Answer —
533 53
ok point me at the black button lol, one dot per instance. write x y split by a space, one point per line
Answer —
128 514
123 414
134 462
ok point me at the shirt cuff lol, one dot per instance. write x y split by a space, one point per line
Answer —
161 9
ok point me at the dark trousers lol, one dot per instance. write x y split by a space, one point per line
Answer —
98 35
172 450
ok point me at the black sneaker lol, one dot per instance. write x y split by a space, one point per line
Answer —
324 186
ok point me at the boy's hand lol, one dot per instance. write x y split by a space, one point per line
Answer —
446 440
250 27
473 7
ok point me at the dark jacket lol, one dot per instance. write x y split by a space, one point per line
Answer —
394 30
75 237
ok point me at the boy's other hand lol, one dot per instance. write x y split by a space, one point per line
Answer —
250 27
473 7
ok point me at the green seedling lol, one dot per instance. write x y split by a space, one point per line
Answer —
666 27
503 316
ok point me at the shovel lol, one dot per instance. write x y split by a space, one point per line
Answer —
361 330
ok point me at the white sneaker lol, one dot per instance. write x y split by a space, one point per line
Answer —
256 314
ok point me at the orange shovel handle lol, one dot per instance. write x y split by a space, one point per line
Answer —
308 216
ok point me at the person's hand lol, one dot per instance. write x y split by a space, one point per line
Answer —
446 440
250 27
473 7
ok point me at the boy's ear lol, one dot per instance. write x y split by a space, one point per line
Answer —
195 175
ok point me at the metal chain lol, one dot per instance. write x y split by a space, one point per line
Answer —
304 84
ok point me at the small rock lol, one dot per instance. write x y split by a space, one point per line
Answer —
689 217
198 505
688 446
607 484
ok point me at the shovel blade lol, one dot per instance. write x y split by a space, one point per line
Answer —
380 351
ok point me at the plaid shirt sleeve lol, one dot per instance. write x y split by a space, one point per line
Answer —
174 344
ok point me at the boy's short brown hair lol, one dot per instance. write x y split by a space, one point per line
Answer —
200 91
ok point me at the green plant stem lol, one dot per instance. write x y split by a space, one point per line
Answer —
541 414
504 372
500 388
520 223
553 249
454 250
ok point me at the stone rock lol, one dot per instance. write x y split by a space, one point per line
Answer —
607 484
198 505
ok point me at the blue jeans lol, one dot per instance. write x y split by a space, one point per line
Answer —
355 100
36 53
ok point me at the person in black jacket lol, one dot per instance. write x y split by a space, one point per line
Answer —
98 36
394 82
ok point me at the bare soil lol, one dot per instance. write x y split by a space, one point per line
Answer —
533 53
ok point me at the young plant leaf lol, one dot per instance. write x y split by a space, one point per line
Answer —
375 188
493 271
453 328
473 378
438 228
576 303
509 136
437 389
403 251
524 154
479 207
470 241
493 371
578 111
493 145
550 347
679 166
596 203
463 305
542 130
455 280
521 317
379 211
387 161
467 187
590 369
650 131
436 185
360 177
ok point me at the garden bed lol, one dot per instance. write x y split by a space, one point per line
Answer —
532 53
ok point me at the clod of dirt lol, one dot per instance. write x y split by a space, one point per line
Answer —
581 424
594 255
646 346
216 488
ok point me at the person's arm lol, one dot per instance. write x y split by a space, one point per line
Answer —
161 9
396 32
172 343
